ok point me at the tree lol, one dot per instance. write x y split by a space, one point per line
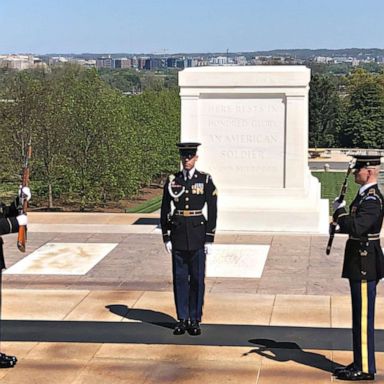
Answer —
19 101
51 134
324 112
363 126
156 118
151 81
126 80
91 144
93 121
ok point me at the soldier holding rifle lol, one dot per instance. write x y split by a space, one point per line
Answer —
11 220
363 261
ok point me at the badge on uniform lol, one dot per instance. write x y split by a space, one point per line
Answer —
174 185
176 189
198 188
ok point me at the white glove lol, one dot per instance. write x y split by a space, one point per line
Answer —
22 219
208 248
26 192
168 246
336 205
337 228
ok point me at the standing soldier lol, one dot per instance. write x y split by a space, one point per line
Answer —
363 262
191 236
10 221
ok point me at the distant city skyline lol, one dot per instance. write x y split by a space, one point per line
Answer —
170 26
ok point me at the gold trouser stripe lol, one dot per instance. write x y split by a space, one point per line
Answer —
364 325
10 225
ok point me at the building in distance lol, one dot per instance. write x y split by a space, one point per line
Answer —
21 62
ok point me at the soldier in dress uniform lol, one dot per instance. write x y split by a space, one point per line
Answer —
363 262
10 221
188 235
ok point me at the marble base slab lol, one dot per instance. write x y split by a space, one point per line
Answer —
91 228
236 260
62 259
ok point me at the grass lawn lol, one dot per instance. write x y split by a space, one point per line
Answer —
331 183
148 206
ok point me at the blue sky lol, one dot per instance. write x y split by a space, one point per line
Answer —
171 26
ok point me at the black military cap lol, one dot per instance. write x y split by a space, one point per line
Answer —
188 149
367 158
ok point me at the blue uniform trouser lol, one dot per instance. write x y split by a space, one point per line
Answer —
188 283
363 324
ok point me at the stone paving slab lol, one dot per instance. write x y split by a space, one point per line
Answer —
299 287
156 306
110 363
296 264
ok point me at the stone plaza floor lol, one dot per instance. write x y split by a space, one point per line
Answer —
104 313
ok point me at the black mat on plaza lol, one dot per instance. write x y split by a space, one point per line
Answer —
147 221
213 334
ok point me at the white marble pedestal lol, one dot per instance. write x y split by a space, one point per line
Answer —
253 125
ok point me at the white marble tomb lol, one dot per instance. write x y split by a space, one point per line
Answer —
252 122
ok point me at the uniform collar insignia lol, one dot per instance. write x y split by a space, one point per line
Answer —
364 189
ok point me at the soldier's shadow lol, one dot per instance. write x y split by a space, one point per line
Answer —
144 315
289 351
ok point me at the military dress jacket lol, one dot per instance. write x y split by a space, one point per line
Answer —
186 227
8 224
363 257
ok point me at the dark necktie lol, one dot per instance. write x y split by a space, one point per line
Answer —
187 176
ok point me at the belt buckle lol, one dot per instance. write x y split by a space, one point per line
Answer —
187 213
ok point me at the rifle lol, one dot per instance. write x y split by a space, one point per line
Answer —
333 225
23 203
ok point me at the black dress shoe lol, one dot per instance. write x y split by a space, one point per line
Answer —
194 328
342 368
7 361
180 327
8 357
354 375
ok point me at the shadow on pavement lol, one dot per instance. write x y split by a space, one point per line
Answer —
285 351
144 315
